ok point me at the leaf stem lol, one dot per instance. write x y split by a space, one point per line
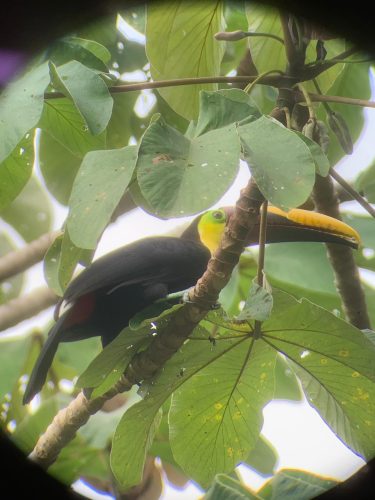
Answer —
262 251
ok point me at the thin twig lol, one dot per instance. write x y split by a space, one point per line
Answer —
353 193
275 81
338 99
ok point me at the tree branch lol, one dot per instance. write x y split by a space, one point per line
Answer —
21 308
145 364
273 80
338 99
341 257
19 260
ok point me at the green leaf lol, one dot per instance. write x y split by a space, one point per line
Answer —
61 119
87 52
129 449
61 260
178 176
114 358
335 364
21 105
365 182
295 485
58 166
267 53
365 226
98 187
30 213
353 81
224 107
15 171
227 488
131 442
263 457
124 123
327 79
33 425
216 417
286 383
12 287
88 92
94 47
176 33
258 304
279 160
320 159
13 352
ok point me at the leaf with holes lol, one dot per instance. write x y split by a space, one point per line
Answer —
178 176
280 161
98 187
21 105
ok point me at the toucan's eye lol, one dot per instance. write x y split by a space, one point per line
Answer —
218 215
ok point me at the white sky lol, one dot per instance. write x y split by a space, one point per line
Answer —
296 430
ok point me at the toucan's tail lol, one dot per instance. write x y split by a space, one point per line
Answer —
39 374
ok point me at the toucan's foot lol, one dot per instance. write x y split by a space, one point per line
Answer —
186 300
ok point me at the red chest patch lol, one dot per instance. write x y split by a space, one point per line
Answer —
81 311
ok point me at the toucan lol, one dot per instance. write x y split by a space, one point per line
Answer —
107 294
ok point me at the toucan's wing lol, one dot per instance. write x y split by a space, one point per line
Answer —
150 260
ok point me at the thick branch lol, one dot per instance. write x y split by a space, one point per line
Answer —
19 260
21 308
342 260
145 364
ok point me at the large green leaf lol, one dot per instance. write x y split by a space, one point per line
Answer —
61 119
335 363
15 171
30 213
215 417
88 92
98 187
180 44
21 105
58 166
295 485
280 161
178 176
